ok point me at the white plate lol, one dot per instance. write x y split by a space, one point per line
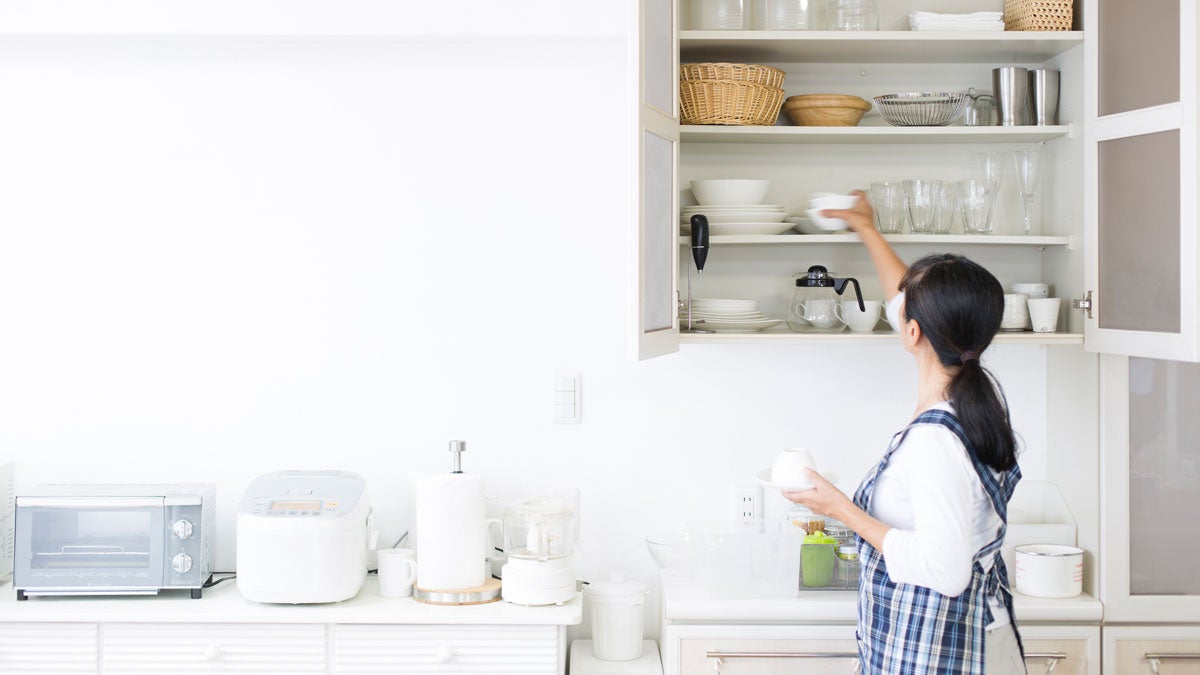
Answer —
729 326
725 316
764 477
718 229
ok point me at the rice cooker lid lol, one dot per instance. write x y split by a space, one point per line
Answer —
304 494
617 586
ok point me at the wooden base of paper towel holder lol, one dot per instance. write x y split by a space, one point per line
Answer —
489 591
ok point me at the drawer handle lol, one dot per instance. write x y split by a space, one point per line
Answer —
1051 658
1155 658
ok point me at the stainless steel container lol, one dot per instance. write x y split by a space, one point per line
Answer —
1043 91
1010 85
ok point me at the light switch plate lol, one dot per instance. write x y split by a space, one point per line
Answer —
568 401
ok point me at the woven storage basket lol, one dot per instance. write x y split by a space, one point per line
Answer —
732 103
732 72
1038 14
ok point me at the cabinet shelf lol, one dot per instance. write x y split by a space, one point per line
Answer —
875 46
780 337
881 135
952 239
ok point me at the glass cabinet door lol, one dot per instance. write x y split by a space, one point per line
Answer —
658 157
1152 489
1140 201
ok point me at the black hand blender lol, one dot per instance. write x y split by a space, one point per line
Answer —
699 255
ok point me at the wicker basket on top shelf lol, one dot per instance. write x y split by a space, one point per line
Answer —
735 94
1039 14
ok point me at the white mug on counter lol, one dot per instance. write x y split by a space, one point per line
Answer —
397 572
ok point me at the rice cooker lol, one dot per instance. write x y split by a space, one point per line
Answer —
304 537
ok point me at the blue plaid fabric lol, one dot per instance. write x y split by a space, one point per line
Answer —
905 629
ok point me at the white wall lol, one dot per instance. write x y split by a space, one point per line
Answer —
225 257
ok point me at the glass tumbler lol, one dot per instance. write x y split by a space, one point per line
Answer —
887 199
852 15
943 220
976 198
924 200
788 14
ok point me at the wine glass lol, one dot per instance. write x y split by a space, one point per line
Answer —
1027 162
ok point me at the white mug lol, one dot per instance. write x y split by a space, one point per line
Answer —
789 466
1043 314
861 321
1016 312
397 572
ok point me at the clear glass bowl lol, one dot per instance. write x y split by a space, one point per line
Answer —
676 553
921 109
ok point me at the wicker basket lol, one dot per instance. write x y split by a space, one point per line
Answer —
732 72
1038 14
733 103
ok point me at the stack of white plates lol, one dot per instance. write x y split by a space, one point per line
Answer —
726 316
747 219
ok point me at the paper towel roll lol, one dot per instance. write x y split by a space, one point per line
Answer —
450 531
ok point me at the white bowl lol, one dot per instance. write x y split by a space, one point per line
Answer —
732 191
826 224
1033 290
825 200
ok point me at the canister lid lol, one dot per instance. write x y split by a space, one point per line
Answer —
616 586
546 508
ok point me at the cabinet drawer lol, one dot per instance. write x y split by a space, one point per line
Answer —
213 648
1138 650
1061 657
48 648
769 655
528 650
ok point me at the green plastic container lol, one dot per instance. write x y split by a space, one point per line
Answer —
818 559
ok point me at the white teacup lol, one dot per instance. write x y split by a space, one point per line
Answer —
860 321
1016 312
820 313
397 572
789 467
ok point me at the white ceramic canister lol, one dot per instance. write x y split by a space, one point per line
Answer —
1049 570
617 609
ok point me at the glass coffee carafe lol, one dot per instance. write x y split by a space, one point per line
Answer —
816 305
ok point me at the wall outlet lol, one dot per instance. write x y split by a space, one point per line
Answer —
747 502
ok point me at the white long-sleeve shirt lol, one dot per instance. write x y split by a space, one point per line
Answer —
938 510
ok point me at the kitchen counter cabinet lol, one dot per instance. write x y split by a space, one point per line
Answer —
225 633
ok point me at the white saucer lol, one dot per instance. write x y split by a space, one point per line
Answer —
764 477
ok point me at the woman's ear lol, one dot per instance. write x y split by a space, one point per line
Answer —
912 332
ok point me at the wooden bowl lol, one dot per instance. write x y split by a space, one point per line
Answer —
825 110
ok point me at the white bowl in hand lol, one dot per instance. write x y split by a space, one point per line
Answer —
830 200
789 467
826 224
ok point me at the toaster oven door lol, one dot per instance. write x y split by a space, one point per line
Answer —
89 543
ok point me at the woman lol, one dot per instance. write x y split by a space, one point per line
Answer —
933 595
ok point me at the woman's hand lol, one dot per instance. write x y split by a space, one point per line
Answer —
825 499
860 218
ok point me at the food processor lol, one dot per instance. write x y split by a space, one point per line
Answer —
539 539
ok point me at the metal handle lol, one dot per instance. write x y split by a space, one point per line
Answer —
89 502
1051 658
1155 657
714 654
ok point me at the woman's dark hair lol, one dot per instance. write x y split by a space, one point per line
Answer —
958 305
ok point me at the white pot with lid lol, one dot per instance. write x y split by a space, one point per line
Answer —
616 607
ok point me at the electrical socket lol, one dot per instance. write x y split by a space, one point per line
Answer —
747 501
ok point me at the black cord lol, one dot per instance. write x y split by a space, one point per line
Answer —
212 581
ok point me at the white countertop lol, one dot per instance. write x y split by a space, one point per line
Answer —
223 604
684 602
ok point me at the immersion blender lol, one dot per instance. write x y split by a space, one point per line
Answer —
699 255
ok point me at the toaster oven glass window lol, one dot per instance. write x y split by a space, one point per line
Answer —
295 506
92 538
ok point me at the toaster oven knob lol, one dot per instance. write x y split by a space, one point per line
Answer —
182 528
182 563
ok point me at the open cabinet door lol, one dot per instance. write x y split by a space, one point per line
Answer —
657 237
1141 183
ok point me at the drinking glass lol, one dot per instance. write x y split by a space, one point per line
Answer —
976 199
947 207
989 168
887 199
853 15
788 14
1027 162
924 200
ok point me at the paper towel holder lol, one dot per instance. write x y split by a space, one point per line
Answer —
457 448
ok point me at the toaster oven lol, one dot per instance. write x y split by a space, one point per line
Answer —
113 539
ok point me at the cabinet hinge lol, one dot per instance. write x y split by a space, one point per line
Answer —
1084 303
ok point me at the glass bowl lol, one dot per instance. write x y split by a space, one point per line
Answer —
676 553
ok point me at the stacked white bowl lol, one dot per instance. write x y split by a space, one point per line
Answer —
820 201
734 206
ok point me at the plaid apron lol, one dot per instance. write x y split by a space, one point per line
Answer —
908 629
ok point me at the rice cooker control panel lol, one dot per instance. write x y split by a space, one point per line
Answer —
303 494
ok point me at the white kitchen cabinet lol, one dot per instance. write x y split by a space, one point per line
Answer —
1062 650
48 648
1147 650
528 650
212 648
